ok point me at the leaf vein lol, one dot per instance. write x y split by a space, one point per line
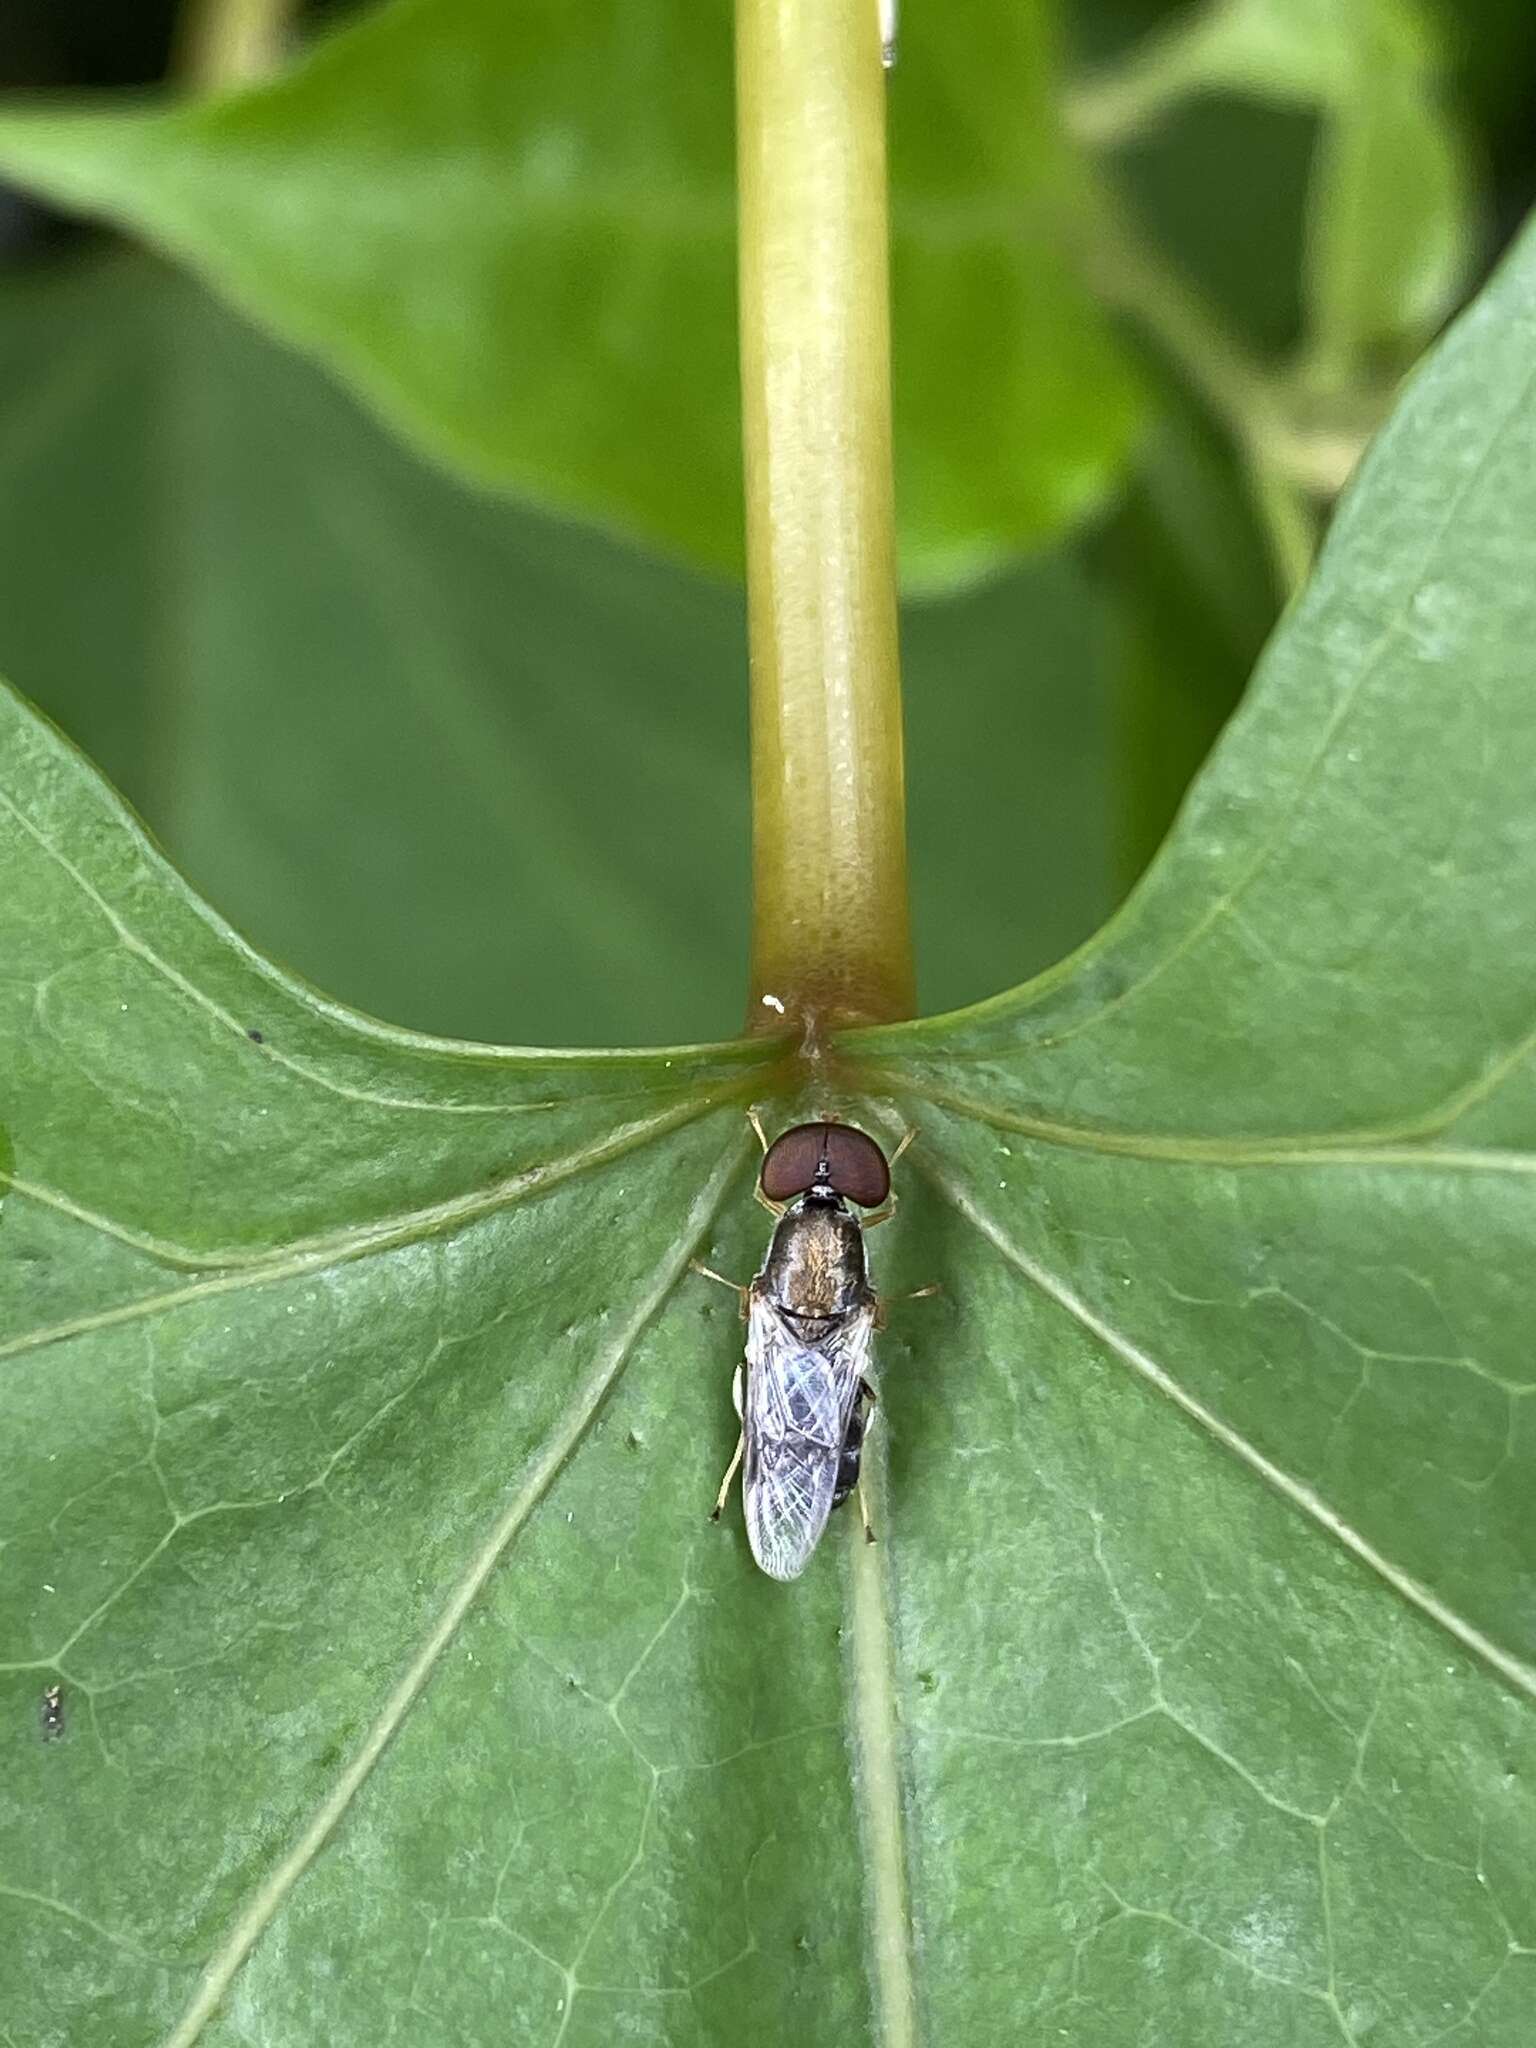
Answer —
564 1440
1518 1674
363 1027
318 1255
1363 1148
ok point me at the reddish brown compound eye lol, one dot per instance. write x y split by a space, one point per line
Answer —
855 1165
789 1164
859 1172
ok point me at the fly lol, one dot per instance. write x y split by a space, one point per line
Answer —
804 1396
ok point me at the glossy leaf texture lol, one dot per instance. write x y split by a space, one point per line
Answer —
362 1416
469 768
487 224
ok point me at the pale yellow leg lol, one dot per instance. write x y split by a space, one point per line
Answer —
773 1208
869 1418
708 1273
885 1213
883 1301
730 1474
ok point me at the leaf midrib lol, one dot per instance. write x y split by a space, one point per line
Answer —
877 1778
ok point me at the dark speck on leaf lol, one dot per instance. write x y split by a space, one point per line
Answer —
256 1037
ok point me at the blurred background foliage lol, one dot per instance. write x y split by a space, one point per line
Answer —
368 474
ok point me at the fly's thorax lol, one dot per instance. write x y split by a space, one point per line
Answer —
815 1264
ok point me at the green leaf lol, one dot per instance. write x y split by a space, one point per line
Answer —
1245 1379
1309 50
270 1247
1196 598
502 785
361 1419
514 236
1391 225
1390 205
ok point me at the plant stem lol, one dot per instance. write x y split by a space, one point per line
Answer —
831 942
224 44
1132 276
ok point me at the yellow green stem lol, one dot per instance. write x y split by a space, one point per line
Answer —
831 942
224 44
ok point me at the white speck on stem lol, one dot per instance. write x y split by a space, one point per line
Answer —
771 1003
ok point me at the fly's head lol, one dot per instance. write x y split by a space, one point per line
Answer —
824 1161
825 1172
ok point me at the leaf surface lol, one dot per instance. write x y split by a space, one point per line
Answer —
503 779
1246 1508
1390 206
502 785
361 1420
488 226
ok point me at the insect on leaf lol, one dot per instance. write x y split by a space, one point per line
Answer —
361 1422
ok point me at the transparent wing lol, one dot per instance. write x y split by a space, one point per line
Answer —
799 1396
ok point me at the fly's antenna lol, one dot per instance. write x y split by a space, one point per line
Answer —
824 1162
